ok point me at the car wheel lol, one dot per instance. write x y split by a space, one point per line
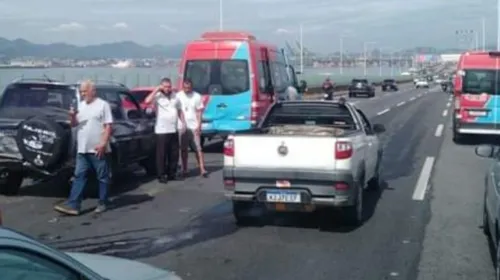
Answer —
376 182
497 261
13 181
240 212
458 138
486 228
353 215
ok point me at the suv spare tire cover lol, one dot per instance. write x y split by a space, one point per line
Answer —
42 142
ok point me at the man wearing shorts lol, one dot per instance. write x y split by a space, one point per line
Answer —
192 107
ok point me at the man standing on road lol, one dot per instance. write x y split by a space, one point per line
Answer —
92 121
168 111
192 106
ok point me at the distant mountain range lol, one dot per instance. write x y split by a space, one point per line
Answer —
127 49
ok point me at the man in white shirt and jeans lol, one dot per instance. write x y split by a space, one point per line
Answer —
192 107
168 111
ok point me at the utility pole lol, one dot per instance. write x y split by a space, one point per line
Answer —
341 56
221 16
483 32
301 49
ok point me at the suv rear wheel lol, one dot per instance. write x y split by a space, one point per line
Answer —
10 182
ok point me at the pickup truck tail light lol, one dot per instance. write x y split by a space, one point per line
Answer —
343 150
229 147
341 186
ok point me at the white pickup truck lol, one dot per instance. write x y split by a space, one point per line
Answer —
304 156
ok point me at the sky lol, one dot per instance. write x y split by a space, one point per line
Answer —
388 24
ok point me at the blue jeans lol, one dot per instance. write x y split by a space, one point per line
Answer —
84 164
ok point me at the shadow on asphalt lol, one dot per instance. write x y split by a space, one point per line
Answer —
215 222
478 140
124 181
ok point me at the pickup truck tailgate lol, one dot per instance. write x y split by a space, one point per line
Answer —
261 152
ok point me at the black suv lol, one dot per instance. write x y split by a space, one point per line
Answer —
37 141
389 84
361 87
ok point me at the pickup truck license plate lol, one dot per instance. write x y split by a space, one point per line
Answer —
283 197
478 113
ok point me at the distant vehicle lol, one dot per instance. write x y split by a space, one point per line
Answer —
491 201
140 94
36 139
389 84
343 158
238 76
361 87
422 83
22 257
477 99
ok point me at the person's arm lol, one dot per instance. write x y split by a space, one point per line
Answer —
151 96
108 121
199 111
180 113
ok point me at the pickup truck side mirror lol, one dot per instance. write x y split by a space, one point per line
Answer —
378 128
486 151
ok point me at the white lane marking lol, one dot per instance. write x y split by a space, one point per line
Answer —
401 103
449 99
448 104
445 113
439 130
383 112
423 179
420 95
413 98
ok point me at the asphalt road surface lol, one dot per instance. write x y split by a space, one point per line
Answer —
424 223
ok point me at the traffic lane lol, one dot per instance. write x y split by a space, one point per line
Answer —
188 227
382 104
454 246
388 244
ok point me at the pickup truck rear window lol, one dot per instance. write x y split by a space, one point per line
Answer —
363 81
336 115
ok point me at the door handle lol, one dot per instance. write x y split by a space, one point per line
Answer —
221 105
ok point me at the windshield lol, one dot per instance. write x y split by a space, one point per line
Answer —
36 96
481 81
218 77
389 81
310 114
140 95
355 81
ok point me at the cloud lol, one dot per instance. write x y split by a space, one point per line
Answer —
282 31
168 28
120 25
72 26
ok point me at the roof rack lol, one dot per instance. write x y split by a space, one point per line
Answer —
109 82
44 79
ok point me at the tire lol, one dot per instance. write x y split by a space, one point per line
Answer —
43 142
497 260
486 228
458 138
376 182
353 215
13 182
149 166
240 212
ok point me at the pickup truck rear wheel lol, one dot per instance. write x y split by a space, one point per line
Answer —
240 212
353 215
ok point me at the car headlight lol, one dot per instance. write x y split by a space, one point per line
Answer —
8 144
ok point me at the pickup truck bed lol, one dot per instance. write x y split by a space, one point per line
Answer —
299 167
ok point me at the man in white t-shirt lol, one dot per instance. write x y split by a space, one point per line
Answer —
168 111
192 107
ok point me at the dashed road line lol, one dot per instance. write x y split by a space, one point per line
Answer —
439 130
413 98
401 104
445 113
383 112
448 104
423 179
